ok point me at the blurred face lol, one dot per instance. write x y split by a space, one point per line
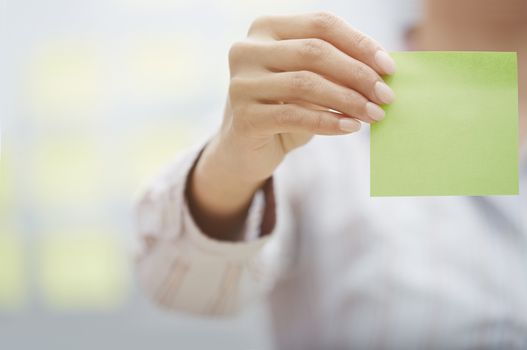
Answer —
509 12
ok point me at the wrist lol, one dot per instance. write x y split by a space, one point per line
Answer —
218 182
234 158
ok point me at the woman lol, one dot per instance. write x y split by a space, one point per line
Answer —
236 219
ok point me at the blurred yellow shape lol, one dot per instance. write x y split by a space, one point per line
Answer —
153 148
64 79
83 270
166 66
69 170
13 286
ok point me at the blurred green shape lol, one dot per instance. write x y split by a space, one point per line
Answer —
453 129
13 286
13 279
64 80
70 171
83 270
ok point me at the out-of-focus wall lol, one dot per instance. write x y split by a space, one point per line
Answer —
96 97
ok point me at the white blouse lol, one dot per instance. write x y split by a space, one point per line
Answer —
341 269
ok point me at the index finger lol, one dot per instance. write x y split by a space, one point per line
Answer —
330 28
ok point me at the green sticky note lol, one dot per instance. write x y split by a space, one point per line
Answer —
453 129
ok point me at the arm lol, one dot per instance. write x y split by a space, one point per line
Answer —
181 268
287 79
294 77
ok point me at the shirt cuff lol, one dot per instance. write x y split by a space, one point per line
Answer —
257 229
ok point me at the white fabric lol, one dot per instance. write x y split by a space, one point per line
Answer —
343 270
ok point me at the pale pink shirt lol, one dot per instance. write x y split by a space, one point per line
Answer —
343 270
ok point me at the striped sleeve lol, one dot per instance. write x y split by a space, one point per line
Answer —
182 269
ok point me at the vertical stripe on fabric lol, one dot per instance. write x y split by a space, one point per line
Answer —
173 281
229 281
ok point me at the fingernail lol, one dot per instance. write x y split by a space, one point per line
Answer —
374 112
384 93
349 125
385 62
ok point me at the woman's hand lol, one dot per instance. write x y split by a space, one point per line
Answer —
293 77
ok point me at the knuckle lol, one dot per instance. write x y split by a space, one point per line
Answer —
286 116
236 87
313 49
302 82
363 73
314 124
237 51
323 21
352 103
357 102
362 41
258 24
346 102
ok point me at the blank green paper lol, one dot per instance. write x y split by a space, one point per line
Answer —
453 128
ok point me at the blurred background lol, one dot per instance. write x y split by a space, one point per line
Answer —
96 97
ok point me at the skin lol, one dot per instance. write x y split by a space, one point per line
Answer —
292 70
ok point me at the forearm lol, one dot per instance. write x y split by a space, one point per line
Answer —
218 196
181 268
